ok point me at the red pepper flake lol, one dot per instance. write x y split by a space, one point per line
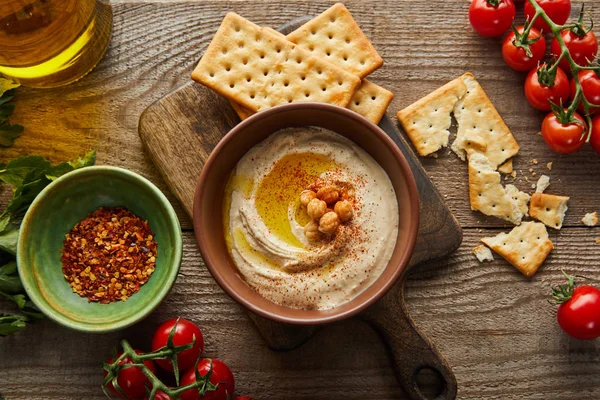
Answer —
109 255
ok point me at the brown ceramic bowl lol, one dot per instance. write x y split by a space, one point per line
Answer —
208 216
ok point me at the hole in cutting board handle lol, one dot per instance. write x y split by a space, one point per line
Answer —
429 383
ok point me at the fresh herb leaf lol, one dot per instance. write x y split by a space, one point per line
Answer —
8 241
8 132
9 279
11 323
87 160
6 85
28 175
15 172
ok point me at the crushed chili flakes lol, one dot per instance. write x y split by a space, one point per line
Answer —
109 255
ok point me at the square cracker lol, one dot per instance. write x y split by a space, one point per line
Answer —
427 121
525 247
259 69
335 36
479 121
548 209
487 194
370 101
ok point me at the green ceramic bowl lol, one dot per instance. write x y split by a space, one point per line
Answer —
55 212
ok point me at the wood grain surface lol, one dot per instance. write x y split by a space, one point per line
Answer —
495 328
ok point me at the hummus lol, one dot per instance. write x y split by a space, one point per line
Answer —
264 221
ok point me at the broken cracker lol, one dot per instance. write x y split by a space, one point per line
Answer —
520 198
507 167
590 219
483 253
335 35
542 184
427 121
525 247
259 69
487 194
479 121
548 209
371 101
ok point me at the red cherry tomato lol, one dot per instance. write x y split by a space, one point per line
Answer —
160 395
221 374
583 49
579 316
491 18
563 138
557 10
516 57
184 334
590 84
595 134
540 96
132 380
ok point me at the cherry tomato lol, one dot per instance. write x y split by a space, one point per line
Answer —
540 96
184 334
579 316
563 138
516 57
583 49
491 17
590 84
132 380
221 374
557 10
595 134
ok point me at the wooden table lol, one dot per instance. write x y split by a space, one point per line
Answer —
495 327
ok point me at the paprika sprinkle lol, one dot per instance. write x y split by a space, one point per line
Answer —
109 255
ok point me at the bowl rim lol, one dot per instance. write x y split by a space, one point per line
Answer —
413 199
153 302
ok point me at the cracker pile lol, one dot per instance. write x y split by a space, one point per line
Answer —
487 144
325 60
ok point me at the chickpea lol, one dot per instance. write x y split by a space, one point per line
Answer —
306 196
328 194
311 231
344 210
329 223
316 208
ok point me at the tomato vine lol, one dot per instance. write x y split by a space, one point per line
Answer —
567 115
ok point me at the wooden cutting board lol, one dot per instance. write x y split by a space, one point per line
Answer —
180 130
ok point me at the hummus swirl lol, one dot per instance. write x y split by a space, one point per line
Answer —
264 220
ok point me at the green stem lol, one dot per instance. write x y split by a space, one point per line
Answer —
575 68
137 360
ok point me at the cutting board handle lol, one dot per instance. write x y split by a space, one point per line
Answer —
410 350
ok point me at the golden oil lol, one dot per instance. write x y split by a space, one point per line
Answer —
49 43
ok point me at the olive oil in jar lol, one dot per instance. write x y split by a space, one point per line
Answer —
48 43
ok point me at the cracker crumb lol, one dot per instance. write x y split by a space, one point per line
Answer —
530 169
598 240
590 219
482 253
543 183
549 165
534 161
533 185
514 174
533 173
